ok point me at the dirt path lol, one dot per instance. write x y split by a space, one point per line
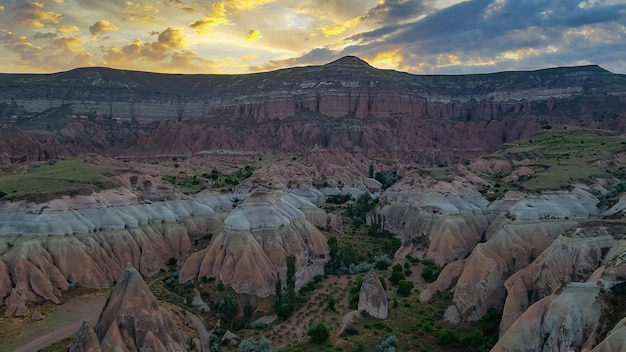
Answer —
59 324
204 334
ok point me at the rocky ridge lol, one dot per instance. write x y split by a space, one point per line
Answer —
131 320
46 249
345 105
258 235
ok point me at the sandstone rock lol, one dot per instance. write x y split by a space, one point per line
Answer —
132 320
86 340
258 235
372 184
446 279
572 257
563 320
264 321
439 220
513 246
198 302
87 240
230 338
372 297
36 316
615 341
452 315
16 305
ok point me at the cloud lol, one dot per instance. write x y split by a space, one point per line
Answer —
67 29
253 35
390 11
1 8
167 54
69 44
101 27
33 15
216 17
314 57
242 5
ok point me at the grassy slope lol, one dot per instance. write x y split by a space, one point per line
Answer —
42 181
565 155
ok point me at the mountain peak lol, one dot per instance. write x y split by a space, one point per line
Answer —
349 62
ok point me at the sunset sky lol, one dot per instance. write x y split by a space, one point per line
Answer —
228 36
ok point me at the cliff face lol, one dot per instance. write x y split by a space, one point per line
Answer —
346 103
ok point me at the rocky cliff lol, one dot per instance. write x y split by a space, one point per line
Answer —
131 320
346 104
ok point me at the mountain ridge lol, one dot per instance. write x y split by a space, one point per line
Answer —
344 104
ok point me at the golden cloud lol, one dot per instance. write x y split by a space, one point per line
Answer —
340 28
141 13
67 29
166 54
33 15
216 17
241 5
253 35
101 27
387 60
1 7
69 44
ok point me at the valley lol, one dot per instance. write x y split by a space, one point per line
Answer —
482 212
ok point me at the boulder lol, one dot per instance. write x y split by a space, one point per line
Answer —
230 338
372 297
36 316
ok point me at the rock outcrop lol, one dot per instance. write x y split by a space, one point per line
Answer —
131 320
258 235
372 297
87 240
439 220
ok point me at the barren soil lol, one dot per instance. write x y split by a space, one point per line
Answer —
59 322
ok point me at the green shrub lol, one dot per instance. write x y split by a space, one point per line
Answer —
405 287
319 333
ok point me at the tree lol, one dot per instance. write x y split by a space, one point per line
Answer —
214 343
229 308
278 295
319 333
370 172
248 311
405 287
292 296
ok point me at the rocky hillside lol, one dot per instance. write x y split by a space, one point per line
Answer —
131 320
345 105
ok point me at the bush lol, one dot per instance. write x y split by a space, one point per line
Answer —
250 345
319 333
396 276
405 287
388 345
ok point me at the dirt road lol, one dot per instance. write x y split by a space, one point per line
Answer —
63 322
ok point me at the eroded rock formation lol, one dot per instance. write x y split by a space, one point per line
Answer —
258 235
131 320
372 297
87 240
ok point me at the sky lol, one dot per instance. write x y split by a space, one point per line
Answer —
234 37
